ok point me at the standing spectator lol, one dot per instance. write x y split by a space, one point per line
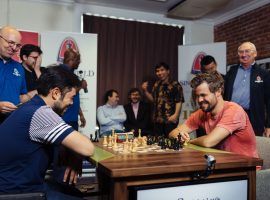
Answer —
249 85
111 115
138 113
167 97
12 80
31 60
72 60
209 64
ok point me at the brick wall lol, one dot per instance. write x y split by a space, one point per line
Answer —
253 26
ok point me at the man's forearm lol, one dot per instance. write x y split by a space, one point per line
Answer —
149 96
201 141
178 107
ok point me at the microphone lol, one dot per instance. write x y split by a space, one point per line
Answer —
210 160
210 166
82 79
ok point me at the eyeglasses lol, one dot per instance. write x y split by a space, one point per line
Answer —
246 51
12 43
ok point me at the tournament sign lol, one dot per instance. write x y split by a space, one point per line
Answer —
54 44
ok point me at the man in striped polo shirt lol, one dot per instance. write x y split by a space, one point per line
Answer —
28 132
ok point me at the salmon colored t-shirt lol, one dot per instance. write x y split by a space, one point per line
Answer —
233 118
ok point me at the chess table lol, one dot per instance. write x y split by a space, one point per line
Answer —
119 173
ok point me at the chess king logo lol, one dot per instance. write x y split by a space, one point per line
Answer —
67 43
196 66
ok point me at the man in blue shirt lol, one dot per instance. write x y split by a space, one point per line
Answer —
249 85
28 132
71 62
12 80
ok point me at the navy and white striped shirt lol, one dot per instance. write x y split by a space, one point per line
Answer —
25 139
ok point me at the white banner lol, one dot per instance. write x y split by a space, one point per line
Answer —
53 45
189 58
210 191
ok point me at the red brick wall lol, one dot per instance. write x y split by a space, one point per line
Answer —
253 26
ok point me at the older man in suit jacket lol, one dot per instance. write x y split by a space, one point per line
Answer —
249 85
138 113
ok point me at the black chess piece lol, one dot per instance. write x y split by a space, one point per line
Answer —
91 138
96 137
149 140
163 143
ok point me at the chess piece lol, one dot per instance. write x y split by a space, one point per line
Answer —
110 141
115 146
125 147
126 137
144 141
140 133
105 143
96 136
133 147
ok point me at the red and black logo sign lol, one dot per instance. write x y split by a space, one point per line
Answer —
67 43
196 66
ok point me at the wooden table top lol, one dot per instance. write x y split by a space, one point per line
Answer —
191 158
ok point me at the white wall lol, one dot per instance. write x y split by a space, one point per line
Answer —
37 15
46 15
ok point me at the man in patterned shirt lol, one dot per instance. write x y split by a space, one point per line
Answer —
167 98
25 136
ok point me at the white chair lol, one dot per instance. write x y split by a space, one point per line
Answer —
263 176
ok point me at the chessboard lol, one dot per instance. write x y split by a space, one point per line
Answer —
154 148
140 145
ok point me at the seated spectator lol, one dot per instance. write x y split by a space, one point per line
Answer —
111 116
226 124
27 134
138 114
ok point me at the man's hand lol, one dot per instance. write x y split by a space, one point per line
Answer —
267 132
83 121
175 133
7 107
144 86
84 84
173 118
71 174
37 66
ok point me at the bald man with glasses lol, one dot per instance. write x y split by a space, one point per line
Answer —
12 79
249 85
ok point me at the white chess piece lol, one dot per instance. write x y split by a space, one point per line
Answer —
110 141
115 146
105 143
